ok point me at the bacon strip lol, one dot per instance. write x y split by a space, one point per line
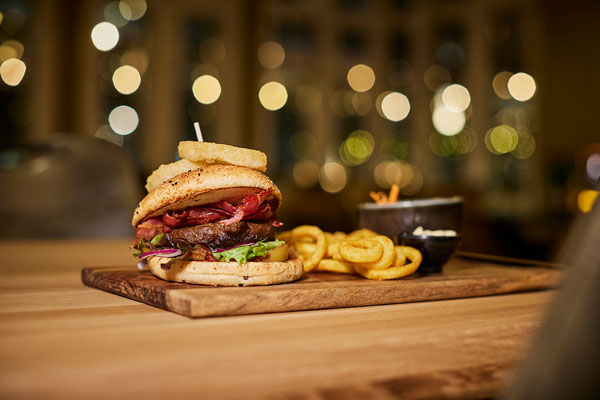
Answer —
250 209
150 228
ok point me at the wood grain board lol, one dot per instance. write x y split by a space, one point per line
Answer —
461 278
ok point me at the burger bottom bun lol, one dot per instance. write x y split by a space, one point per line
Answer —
219 273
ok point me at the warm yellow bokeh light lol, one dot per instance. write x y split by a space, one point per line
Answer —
206 89
123 120
273 95
447 122
306 173
503 139
395 106
16 46
132 9
456 98
7 52
112 14
271 54
500 84
525 146
361 78
586 200
403 174
332 177
521 86
105 36
12 71
126 79
357 148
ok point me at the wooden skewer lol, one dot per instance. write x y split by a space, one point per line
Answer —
198 132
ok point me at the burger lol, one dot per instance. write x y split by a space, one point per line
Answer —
213 223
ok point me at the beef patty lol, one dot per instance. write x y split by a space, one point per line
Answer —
216 235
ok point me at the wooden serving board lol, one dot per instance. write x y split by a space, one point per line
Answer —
461 278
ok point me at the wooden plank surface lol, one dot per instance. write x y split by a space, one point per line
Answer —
461 278
60 339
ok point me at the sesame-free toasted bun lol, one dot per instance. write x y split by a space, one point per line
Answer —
222 273
203 186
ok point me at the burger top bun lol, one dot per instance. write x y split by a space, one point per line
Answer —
205 185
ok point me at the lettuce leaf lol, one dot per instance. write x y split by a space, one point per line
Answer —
242 254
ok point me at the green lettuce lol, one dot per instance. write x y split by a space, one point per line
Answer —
242 254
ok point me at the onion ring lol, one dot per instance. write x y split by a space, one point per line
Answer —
361 250
310 231
398 270
387 257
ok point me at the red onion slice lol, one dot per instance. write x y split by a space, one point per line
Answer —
161 252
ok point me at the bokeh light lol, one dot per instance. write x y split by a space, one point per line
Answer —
273 95
456 98
16 46
447 122
333 177
13 20
105 133
12 71
123 120
271 55
105 36
357 148
462 143
132 10
126 79
7 52
525 146
408 177
521 86
586 200
306 173
500 84
592 168
112 14
395 106
206 89
361 78
501 139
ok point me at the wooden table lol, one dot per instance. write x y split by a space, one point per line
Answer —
61 339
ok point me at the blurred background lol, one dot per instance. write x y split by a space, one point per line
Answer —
493 100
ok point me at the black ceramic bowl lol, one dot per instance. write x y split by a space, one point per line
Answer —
392 219
436 250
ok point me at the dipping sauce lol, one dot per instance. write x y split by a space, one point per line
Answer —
419 231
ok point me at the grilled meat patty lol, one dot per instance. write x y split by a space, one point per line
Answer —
216 235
